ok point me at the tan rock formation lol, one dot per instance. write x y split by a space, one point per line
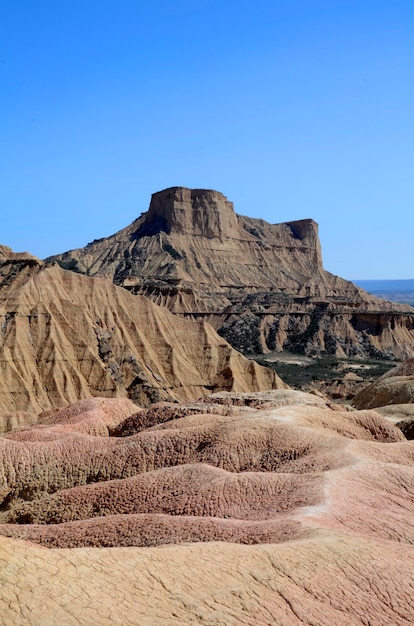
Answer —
64 337
393 387
396 412
261 285
325 495
331 579
16 419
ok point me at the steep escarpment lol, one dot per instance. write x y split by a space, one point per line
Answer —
64 337
193 238
261 285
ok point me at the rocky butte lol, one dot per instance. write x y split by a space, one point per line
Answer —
261 286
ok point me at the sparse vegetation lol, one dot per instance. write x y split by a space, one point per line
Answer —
324 369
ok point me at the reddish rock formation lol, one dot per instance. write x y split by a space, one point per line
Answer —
245 506
325 495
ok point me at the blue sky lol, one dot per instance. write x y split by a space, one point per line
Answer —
292 109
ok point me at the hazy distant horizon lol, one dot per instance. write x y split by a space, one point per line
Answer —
405 284
392 290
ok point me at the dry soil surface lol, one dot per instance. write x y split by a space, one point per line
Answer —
273 508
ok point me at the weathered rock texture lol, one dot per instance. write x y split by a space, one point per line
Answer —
393 387
324 497
261 285
392 395
64 337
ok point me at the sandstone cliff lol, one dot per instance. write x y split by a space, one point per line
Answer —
261 285
64 337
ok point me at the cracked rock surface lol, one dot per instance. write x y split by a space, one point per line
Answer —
241 508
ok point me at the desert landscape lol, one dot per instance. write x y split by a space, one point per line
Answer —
155 466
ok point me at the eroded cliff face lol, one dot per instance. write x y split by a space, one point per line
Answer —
261 285
64 337
193 239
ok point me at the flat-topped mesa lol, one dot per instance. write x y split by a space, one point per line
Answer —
199 212
261 285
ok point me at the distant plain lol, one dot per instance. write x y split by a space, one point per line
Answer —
392 290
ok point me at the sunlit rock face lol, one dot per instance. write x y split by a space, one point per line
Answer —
273 507
193 212
65 337
261 285
395 387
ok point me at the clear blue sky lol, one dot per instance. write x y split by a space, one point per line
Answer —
292 109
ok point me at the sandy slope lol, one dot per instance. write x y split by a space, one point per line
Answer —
64 337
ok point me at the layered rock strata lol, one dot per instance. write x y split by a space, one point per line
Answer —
261 285
64 337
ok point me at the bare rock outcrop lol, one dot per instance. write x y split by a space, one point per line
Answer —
267 508
94 416
394 387
324 580
66 337
261 285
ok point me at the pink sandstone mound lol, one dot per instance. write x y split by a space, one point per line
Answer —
260 508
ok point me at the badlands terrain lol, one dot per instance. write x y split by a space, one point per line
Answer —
265 508
64 337
151 474
261 286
